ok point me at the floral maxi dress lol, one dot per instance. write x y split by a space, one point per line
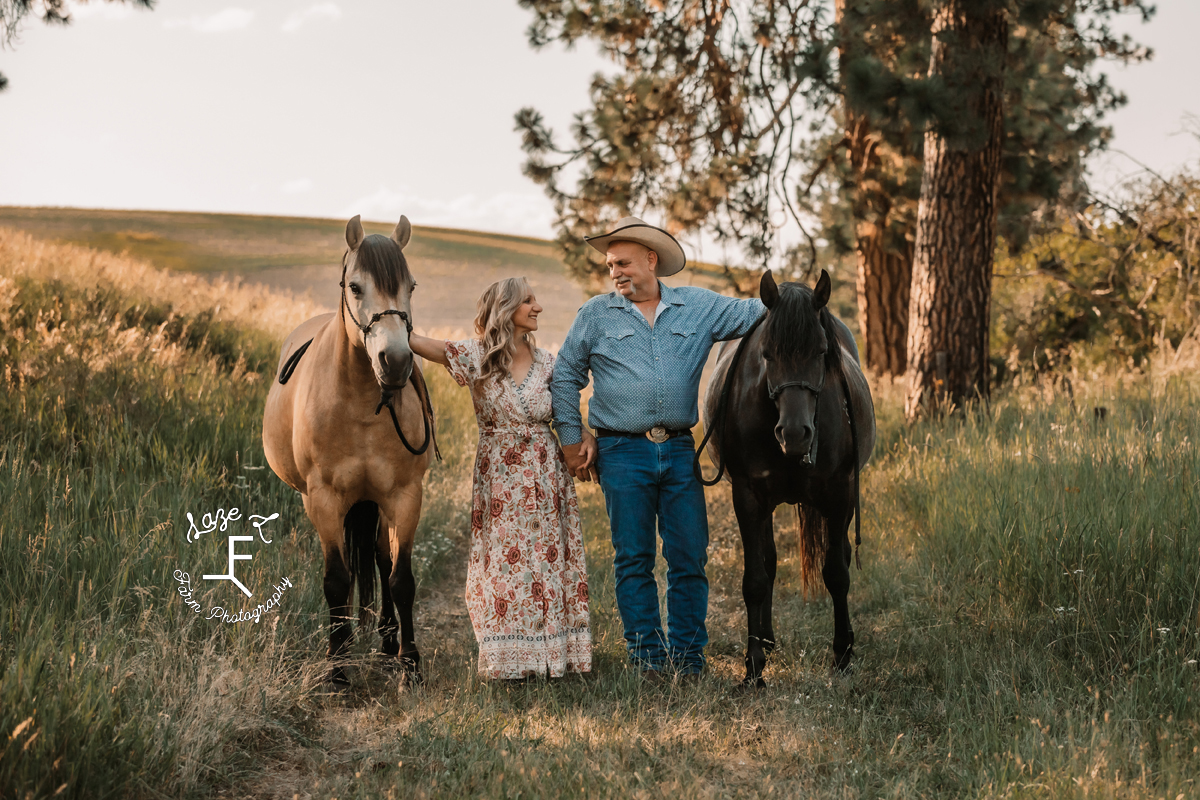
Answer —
527 590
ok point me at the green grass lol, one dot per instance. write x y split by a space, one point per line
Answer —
1026 618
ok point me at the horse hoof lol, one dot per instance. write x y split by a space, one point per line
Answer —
844 666
390 663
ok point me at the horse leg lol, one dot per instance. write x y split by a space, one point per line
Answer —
388 626
327 514
403 514
754 522
836 573
770 560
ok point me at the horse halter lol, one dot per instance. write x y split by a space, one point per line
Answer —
386 395
366 329
773 393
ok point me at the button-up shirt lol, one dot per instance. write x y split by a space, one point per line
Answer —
642 376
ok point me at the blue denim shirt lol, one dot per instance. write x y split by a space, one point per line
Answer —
642 376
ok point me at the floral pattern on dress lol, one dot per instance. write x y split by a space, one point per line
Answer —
526 579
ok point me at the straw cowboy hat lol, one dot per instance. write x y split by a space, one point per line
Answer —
631 229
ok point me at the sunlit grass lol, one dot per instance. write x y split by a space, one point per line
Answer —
1026 618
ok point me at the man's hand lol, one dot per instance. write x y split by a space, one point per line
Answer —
581 458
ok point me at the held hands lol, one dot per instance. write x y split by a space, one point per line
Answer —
581 458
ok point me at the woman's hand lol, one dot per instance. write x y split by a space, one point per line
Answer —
429 349
582 461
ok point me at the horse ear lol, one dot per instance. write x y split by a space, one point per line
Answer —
403 232
767 289
821 291
354 232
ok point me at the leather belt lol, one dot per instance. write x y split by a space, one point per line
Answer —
658 434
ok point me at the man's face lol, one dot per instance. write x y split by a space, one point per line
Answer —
632 267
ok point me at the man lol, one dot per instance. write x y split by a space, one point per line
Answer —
645 345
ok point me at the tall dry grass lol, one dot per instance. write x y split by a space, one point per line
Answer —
132 396
1026 617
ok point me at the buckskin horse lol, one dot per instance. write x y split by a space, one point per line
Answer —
357 470
790 417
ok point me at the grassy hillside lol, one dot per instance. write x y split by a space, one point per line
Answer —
1027 619
302 255
246 244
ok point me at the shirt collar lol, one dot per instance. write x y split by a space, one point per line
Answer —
666 294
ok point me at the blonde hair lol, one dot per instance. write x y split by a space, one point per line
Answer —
494 325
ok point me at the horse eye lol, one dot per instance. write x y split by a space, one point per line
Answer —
767 357
355 289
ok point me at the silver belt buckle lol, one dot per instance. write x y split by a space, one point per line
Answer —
657 434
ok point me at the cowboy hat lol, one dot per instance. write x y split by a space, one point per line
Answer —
631 229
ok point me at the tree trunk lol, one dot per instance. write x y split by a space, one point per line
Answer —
949 312
884 267
884 255
884 280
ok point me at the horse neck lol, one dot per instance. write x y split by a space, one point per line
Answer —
350 360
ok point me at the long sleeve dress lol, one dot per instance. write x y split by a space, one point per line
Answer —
527 590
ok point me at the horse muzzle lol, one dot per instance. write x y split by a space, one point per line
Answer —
799 444
393 372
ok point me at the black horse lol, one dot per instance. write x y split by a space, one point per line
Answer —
790 416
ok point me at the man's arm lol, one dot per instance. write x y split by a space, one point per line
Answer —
569 378
732 318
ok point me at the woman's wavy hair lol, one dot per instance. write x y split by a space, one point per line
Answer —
494 325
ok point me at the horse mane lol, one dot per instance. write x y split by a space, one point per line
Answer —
791 328
382 259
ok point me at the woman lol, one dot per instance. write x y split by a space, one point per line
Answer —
526 580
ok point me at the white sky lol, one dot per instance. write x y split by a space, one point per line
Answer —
378 107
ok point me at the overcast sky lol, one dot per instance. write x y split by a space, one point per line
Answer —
378 107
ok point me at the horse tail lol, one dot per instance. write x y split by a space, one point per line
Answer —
814 541
361 528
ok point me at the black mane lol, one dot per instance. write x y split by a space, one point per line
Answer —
792 327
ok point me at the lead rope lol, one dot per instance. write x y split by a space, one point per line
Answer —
418 381
385 399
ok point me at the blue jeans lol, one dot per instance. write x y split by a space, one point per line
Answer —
644 482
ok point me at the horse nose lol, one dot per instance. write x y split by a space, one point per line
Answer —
395 368
796 440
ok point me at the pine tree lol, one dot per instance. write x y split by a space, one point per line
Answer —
732 116
53 12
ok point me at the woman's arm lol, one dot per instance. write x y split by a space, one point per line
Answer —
429 349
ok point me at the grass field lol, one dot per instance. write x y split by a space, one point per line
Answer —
302 256
1027 616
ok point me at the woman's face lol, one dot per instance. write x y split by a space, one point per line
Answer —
525 317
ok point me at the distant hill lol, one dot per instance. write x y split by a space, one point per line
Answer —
302 255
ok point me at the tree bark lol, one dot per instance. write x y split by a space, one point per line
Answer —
950 307
884 267
884 256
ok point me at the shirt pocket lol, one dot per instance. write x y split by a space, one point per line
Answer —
683 338
616 344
